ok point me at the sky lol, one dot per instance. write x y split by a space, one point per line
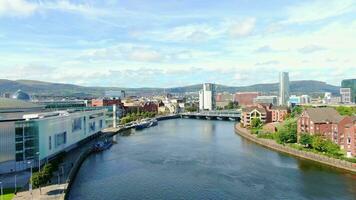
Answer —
160 43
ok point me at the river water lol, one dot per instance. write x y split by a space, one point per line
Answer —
201 159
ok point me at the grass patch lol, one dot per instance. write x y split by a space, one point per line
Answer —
8 193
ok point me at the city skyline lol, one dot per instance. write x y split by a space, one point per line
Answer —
111 43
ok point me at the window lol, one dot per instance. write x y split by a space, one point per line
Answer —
50 142
61 139
348 140
92 126
101 124
77 124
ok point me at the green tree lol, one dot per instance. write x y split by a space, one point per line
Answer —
287 133
297 110
306 140
318 144
346 111
256 123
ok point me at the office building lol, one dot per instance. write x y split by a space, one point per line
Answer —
266 100
345 95
283 88
207 97
245 98
118 94
350 83
305 99
29 136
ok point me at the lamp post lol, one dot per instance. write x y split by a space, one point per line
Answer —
39 161
15 183
30 185
2 192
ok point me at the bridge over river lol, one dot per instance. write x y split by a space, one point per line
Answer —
233 115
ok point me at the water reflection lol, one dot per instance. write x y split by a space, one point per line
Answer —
201 159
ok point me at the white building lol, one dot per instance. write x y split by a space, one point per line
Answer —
345 95
119 94
41 136
327 98
283 88
266 100
207 97
305 99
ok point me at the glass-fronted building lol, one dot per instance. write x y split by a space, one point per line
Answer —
41 136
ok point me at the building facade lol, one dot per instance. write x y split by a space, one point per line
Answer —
266 100
253 112
350 83
329 124
283 88
207 97
40 136
245 98
345 95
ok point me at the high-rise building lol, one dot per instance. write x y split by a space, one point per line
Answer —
207 97
345 95
283 88
350 83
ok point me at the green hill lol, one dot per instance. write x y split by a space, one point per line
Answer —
58 89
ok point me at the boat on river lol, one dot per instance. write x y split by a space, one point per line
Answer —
102 145
146 124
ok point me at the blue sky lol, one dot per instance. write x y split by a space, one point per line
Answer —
145 43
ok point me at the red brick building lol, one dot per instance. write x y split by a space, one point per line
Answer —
106 102
329 124
245 98
149 107
349 133
320 121
278 113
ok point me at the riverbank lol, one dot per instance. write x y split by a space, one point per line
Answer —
271 144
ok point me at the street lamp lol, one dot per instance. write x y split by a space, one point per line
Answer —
2 192
15 183
39 161
30 185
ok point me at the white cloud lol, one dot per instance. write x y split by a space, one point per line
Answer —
144 55
67 6
311 49
243 28
17 8
24 8
318 10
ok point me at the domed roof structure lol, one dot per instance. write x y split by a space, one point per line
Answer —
20 95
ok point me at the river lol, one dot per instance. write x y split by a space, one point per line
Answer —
202 159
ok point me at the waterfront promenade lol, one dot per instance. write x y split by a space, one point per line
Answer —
271 144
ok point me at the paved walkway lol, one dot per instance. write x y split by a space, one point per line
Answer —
50 192
55 190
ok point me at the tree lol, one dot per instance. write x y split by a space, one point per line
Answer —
343 110
297 110
287 133
306 140
318 144
256 123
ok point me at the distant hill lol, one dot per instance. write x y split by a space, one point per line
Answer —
58 89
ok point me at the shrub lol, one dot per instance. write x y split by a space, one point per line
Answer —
287 133
256 123
306 140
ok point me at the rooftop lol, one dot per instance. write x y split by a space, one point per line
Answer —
8 104
323 115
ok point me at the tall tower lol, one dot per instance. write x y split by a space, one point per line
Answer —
207 97
283 88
